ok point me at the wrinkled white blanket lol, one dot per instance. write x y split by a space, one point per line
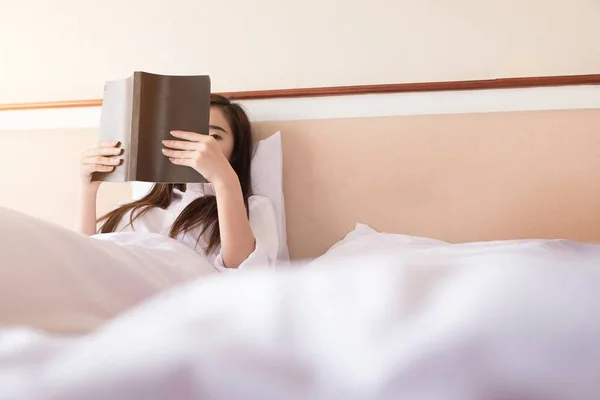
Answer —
55 279
426 325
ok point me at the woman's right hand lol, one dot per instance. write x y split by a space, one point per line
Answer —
102 158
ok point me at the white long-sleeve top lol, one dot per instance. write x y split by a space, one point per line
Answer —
159 221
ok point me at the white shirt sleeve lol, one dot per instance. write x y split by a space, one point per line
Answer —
264 227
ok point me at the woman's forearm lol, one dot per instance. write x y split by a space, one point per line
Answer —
237 239
86 212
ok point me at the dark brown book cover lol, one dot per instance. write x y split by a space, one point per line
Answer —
140 112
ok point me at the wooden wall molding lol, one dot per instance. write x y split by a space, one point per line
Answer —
502 83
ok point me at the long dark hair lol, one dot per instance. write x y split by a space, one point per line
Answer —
202 211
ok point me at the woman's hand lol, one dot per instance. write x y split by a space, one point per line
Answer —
200 152
101 158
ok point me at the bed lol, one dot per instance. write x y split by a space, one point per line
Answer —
439 254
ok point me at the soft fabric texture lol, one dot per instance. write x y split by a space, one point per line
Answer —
267 181
366 240
363 233
54 279
261 216
521 323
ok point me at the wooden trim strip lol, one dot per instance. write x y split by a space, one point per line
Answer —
51 104
503 83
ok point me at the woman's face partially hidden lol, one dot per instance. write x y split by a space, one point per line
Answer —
220 130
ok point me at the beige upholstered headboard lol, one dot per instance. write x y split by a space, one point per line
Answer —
464 177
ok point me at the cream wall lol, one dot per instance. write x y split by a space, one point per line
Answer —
65 49
39 174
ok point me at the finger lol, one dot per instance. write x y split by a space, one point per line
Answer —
101 161
181 161
180 144
102 151
90 169
109 144
191 136
178 154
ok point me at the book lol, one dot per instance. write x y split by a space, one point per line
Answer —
140 112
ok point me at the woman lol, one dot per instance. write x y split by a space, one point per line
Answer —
176 233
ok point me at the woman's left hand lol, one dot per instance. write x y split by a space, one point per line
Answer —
200 152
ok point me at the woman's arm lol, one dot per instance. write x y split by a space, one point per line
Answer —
101 158
202 153
86 211
237 239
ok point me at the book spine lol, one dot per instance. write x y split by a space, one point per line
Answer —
136 110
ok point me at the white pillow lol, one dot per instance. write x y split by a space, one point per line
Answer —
267 181
364 240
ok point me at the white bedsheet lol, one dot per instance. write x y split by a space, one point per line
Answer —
514 324
58 280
